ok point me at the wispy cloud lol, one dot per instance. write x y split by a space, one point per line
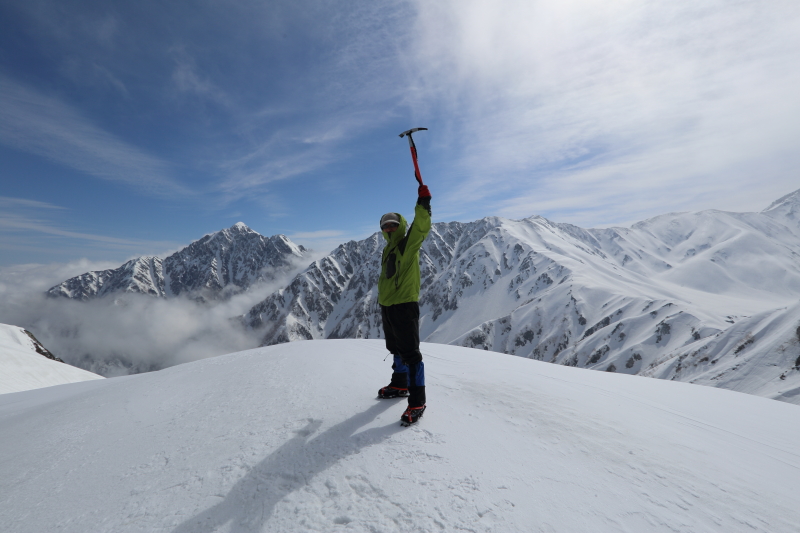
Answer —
35 123
7 204
188 79
33 226
256 94
350 89
10 222
274 159
85 73
580 108
584 111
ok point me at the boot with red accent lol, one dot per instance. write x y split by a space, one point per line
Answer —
392 392
411 415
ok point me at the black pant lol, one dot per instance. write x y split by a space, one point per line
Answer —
401 329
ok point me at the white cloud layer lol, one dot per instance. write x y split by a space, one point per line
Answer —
126 334
593 112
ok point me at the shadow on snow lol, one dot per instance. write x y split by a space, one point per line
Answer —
252 500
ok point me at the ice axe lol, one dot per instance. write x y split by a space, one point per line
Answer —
414 152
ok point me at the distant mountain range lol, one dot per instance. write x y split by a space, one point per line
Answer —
215 267
707 297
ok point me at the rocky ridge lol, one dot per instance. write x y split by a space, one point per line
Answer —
215 267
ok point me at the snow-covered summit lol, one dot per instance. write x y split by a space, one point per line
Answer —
219 264
237 443
25 364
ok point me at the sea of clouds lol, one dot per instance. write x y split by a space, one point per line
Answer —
129 333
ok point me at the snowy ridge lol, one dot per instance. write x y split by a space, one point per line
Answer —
25 364
141 275
216 266
786 210
336 296
507 444
746 357
316 300
625 300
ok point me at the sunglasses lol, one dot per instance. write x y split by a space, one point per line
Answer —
391 226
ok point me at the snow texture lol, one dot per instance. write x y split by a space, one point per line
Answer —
707 297
25 364
290 438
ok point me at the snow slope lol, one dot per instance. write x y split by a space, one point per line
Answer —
24 365
290 438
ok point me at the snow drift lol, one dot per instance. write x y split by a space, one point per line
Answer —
291 438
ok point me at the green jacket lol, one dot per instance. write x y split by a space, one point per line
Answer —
399 281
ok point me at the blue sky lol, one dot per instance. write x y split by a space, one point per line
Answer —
133 128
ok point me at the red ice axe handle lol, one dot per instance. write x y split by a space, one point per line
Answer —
416 165
417 173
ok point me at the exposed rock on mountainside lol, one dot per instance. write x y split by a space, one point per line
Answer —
303 309
635 300
39 348
216 266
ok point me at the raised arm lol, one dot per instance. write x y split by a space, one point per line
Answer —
422 220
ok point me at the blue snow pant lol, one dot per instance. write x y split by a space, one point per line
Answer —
401 329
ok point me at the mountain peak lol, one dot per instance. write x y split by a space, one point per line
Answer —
240 226
218 265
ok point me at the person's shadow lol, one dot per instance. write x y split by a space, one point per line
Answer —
251 501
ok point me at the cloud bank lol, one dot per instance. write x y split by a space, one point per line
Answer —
127 334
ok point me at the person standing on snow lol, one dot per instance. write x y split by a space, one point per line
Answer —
398 296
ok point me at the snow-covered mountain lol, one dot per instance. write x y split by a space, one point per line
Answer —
216 266
260 441
707 296
786 210
25 364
